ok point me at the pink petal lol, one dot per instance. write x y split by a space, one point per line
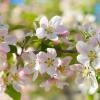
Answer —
4 48
66 60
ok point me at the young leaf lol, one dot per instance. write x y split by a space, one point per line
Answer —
13 49
13 93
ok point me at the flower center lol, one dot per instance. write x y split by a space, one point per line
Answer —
49 29
15 77
1 39
61 69
86 72
32 64
92 55
49 62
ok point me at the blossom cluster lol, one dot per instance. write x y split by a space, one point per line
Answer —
22 63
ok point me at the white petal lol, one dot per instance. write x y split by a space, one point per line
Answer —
42 68
61 30
35 75
82 59
44 22
98 37
3 30
55 21
51 71
40 33
25 56
82 47
28 69
52 37
10 39
32 56
93 41
42 56
17 87
4 47
57 62
94 84
51 52
96 63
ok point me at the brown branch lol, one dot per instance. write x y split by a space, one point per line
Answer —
69 51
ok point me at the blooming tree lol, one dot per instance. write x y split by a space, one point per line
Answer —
50 52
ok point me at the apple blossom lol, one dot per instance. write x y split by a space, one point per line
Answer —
30 67
62 69
6 38
89 52
48 62
19 78
86 79
23 61
50 29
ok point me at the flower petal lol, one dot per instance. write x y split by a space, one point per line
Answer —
55 21
42 68
44 22
42 56
3 30
40 33
82 59
35 75
51 71
52 37
10 39
82 47
61 30
66 60
94 83
51 52
4 47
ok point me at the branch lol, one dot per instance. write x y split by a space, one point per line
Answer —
69 51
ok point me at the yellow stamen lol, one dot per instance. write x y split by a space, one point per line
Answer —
92 55
61 69
49 62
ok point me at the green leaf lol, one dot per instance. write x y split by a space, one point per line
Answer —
10 58
98 76
13 49
90 97
13 93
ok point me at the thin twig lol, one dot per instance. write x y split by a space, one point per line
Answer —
69 51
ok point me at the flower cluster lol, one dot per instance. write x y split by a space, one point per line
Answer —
89 57
51 29
22 62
